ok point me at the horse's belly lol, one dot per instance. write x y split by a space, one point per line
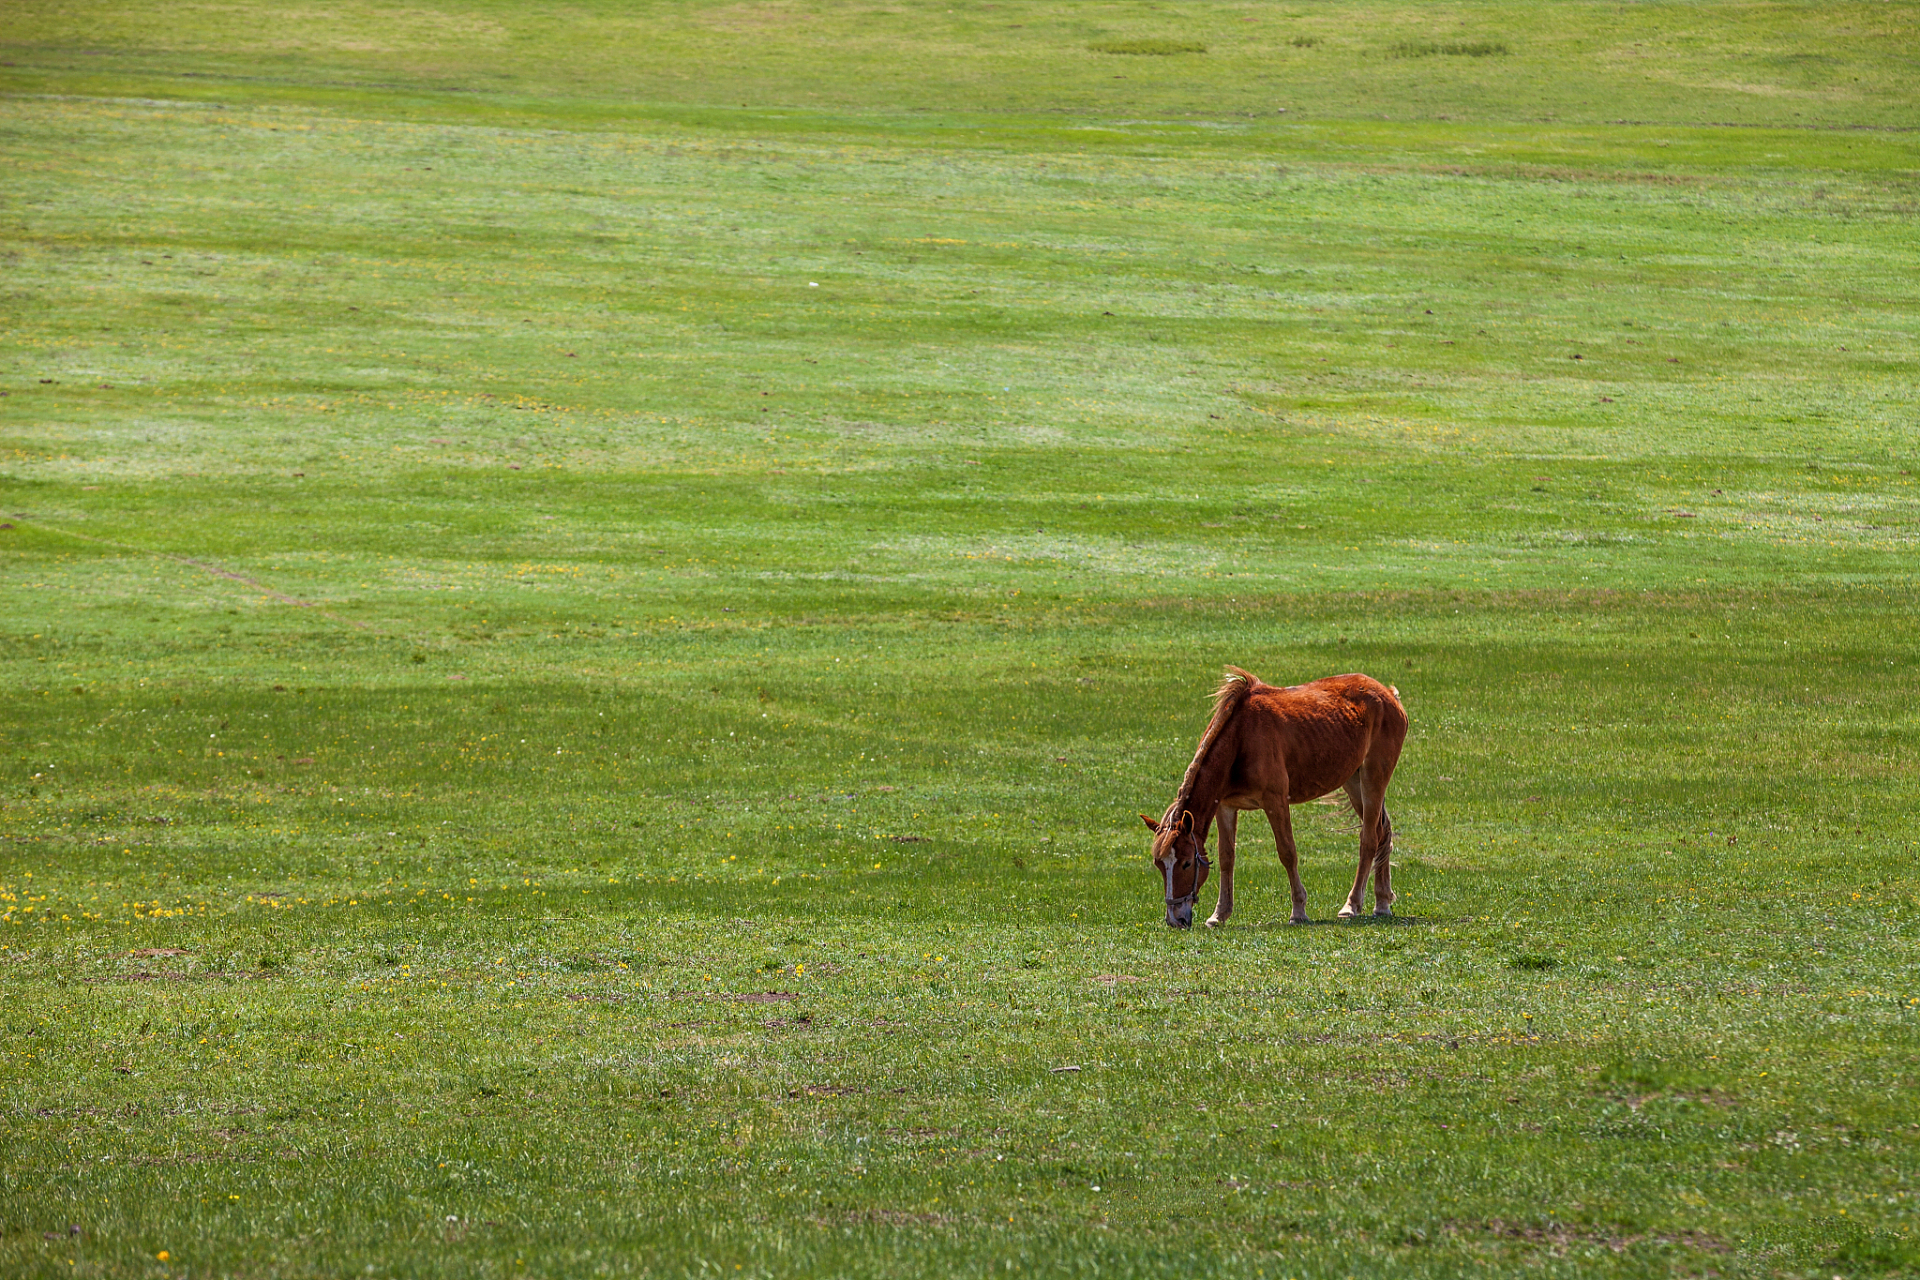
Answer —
1312 783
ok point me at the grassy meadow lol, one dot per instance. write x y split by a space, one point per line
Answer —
587 599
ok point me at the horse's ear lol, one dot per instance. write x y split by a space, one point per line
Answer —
1186 821
1151 824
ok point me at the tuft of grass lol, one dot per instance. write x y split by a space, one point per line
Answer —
1459 49
1304 42
1885 1251
1147 48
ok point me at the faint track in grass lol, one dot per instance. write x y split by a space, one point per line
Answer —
201 565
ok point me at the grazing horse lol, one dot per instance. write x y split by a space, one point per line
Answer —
1269 748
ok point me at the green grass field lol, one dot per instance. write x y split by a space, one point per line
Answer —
587 599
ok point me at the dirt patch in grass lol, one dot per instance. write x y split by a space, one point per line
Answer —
756 17
890 1218
1557 1236
1707 1098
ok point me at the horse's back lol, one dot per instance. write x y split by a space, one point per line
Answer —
1325 729
1349 696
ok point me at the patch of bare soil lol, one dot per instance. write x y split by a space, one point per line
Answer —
891 1218
209 975
801 1020
755 17
1708 1097
1559 1236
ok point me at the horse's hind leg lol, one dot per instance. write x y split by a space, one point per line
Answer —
1375 843
1383 867
1226 821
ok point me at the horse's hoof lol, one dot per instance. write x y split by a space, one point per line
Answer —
1214 922
1348 913
1383 913
1299 920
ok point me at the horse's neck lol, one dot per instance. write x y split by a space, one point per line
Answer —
1206 783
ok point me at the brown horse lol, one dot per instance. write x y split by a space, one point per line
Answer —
1268 748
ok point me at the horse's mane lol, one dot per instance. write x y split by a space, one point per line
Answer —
1235 688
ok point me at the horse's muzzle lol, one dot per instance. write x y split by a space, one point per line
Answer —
1180 909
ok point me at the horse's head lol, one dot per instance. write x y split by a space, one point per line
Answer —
1181 859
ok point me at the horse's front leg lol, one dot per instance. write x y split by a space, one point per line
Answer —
1226 820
